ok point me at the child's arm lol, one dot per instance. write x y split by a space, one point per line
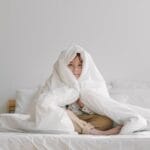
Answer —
83 108
79 102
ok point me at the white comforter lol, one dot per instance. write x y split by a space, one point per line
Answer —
48 112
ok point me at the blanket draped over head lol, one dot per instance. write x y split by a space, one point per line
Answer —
62 88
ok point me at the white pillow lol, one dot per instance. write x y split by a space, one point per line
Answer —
139 97
130 84
24 99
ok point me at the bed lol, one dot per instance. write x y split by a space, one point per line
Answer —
30 141
137 93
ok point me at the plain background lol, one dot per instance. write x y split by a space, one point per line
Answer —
33 32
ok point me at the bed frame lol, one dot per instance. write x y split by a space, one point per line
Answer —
11 105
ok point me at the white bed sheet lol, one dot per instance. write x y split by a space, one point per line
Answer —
30 141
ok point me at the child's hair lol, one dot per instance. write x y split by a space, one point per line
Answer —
79 56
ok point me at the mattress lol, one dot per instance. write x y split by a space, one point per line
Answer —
32 141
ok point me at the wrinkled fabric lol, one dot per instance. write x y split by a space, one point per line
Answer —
30 141
62 88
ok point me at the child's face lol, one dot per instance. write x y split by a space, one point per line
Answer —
76 66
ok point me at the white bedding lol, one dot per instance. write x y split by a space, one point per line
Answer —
47 112
40 141
28 141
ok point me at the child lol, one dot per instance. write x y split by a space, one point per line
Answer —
77 83
85 121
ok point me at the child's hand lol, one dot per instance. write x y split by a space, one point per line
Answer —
79 102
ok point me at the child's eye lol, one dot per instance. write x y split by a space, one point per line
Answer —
70 65
80 65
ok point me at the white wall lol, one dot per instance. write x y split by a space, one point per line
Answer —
33 32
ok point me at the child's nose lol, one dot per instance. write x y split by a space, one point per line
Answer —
76 69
